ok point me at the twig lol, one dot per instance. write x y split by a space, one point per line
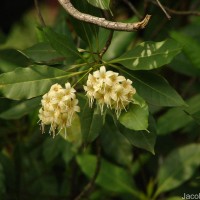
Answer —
39 13
108 16
182 12
132 7
178 12
108 42
163 9
90 185
102 21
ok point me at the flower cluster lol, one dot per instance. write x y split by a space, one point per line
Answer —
58 108
110 89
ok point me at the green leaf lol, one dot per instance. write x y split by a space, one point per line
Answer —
196 117
149 55
53 147
26 83
86 31
73 133
11 59
185 162
138 100
43 53
63 45
136 117
176 118
119 145
119 44
103 4
191 47
21 109
142 139
154 89
182 65
91 123
172 120
110 177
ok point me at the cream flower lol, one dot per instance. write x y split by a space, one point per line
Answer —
58 108
109 89
46 102
115 79
102 75
56 87
69 92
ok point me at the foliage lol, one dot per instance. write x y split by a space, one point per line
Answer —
150 152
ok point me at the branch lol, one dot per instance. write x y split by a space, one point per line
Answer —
119 26
132 7
108 42
177 12
90 185
182 12
163 9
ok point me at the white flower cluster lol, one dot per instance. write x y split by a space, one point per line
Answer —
58 108
110 89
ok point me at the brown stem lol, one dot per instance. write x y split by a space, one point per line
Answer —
132 7
102 21
108 42
88 188
163 9
178 12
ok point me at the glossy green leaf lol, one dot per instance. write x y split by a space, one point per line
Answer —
11 59
63 45
91 123
86 31
142 139
185 162
136 117
26 83
172 120
110 177
138 100
196 117
154 89
191 47
149 55
119 145
60 25
21 109
54 147
43 53
177 118
73 132
182 65
103 4
119 44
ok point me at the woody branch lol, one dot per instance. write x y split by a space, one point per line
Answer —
119 26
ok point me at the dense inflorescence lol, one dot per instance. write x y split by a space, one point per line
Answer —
58 108
110 89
